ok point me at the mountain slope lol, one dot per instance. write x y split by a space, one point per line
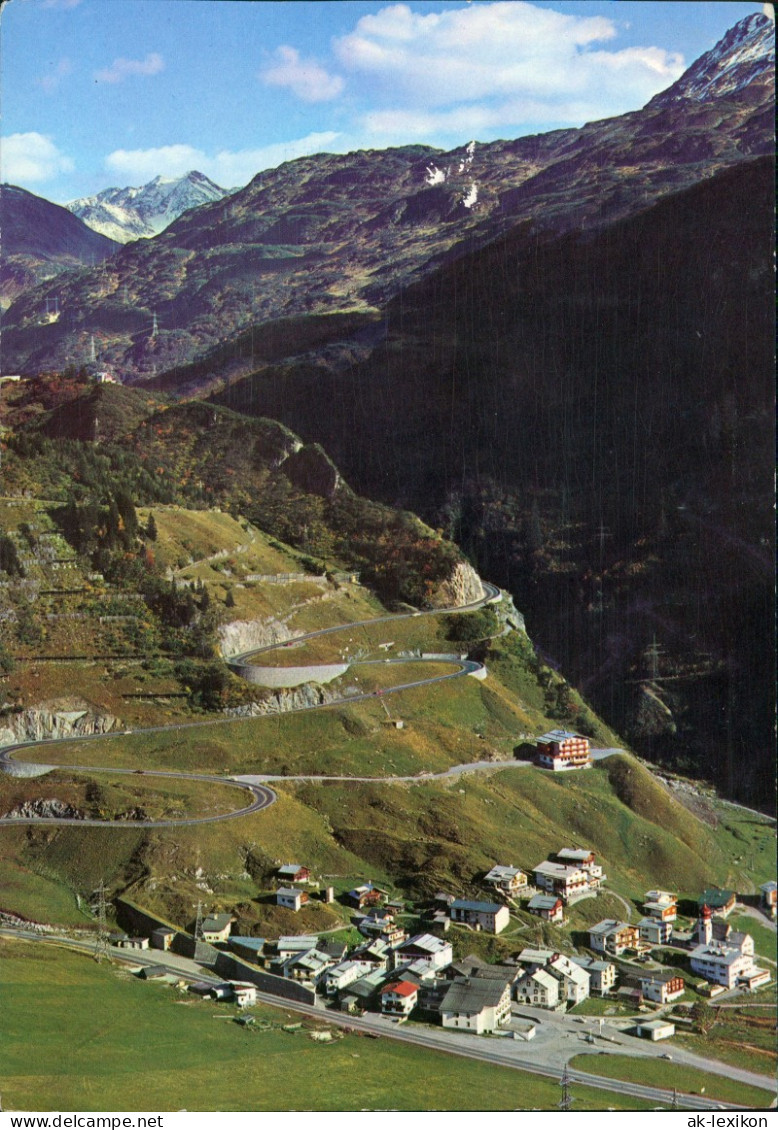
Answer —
125 214
590 417
40 239
334 233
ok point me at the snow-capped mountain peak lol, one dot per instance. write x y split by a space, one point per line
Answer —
133 213
746 53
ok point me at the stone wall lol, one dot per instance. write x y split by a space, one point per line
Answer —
233 969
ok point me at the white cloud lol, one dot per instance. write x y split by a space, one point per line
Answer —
55 75
228 168
61 3
28 158
305 78
120 69
494 65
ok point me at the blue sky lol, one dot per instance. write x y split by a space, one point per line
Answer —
115 92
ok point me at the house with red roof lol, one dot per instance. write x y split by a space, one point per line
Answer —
399 998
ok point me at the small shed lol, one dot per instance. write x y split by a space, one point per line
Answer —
655 1029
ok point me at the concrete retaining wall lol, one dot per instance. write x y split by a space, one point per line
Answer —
288 676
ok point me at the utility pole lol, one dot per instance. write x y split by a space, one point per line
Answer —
566 1101
198 930
101 942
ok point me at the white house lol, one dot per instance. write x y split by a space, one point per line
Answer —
491 916
291 897
343 974
245 993
722 964
574 980
477 1004
654 931
602 974
426 948
539 989
399 998
216 927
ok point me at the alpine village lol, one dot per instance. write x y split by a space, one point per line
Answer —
386 590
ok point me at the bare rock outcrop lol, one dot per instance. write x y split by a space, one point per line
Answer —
58 718
45 810
293 698
464 586
241 636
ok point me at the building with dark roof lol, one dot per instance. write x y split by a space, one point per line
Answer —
479 1004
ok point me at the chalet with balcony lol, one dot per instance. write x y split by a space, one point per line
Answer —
662 988
366 895
562 749
611 937
506 880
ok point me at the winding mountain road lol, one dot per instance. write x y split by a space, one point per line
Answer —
262 795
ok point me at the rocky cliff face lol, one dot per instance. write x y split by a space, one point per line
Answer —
241 636
463 587
293 698
59 718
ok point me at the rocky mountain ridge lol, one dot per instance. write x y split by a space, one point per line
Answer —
345 233
745 56
124 214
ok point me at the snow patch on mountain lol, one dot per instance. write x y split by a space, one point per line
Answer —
136 213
